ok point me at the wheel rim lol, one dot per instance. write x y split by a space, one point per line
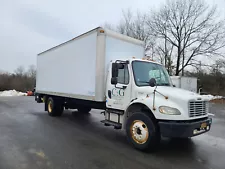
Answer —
50 106
139 131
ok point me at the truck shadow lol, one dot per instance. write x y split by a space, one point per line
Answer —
169 145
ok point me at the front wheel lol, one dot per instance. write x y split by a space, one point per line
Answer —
142 131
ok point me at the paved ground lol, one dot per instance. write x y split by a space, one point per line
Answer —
30 139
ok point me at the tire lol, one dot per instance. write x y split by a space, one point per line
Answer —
85 110
54 107
143 131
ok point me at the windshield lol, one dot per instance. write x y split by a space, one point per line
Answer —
144 71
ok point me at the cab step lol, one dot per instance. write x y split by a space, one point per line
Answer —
112 123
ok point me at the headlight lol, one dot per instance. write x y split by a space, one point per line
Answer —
169 110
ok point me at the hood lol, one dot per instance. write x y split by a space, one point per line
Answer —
174 92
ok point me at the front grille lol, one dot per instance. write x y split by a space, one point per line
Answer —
198 108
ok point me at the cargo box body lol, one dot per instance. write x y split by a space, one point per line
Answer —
77 68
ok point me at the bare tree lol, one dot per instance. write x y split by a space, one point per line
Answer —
133 26
31 71
218 67
109 26
20 80
20 71
189 28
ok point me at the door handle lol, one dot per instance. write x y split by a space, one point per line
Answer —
109 94
120 87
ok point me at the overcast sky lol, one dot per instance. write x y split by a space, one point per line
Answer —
30 26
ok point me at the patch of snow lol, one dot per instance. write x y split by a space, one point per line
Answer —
12 93
211 97
208 97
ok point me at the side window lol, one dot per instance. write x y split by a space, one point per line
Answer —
123 75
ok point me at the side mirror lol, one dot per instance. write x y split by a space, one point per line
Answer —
174 85
152 82
114 70
114 80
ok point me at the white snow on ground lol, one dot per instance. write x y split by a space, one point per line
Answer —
12 93
211 97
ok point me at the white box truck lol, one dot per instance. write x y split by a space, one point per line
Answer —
187 83
105 70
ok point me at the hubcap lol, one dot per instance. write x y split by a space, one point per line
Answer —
50 106
139 131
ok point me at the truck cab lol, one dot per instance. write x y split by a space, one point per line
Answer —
140 98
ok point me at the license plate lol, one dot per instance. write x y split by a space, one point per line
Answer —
204 125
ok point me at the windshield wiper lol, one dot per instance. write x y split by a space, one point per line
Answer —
144 82
161 84
164 84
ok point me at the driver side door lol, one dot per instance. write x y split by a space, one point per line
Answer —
118 96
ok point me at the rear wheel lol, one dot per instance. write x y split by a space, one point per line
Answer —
54 107
142 131
84 110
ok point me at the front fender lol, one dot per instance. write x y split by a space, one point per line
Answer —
159 101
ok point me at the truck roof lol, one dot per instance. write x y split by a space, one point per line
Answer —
138 59
146 60
107 31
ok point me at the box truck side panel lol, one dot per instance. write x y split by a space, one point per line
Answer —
119 49
189 83
176 81
69 70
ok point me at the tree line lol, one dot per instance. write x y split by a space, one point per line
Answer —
20 80
212 80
